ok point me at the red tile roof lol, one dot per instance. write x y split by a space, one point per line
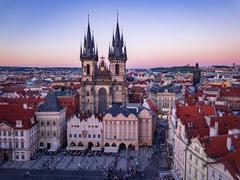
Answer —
193 118
11 113
232 163
215 147
225 123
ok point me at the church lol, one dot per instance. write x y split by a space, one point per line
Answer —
103 86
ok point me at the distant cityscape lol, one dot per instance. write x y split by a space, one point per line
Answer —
107 119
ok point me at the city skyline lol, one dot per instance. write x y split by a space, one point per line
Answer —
161 33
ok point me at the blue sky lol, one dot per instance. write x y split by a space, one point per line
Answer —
157 33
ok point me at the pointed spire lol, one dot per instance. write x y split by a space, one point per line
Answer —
96 51
117 34
125 50
117 50
81 49
113 39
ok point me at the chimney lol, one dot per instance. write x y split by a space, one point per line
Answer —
25 106
216 126
199 110
229 143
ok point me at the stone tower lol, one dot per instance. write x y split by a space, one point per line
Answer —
89 59
196 75
102 86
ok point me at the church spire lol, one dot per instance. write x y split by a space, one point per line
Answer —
89 50
117 45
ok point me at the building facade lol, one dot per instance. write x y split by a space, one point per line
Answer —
165 97
102 86
52 123
85 131
127 128
18 133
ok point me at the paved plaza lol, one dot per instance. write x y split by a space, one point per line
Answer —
123 161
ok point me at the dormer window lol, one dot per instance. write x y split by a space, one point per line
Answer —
19 123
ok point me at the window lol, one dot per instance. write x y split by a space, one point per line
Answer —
9 133
96 126
75 135
79 135
16 145
10 144
16 133
54 123
190 157
195 173
42 123
190 169
117 69
89 135
4 133
117 88
88 69
88 93
17 156
220 177
213 173
203 177
22 144
48 123
99 136
70 135
196 161
21 133
54 133
94 136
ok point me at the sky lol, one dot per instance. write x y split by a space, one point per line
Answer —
157 32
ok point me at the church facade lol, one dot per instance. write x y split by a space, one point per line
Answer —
102 86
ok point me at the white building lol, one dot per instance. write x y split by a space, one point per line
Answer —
84 131
18 133
52 123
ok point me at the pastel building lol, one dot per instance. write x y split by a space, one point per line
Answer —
18 133
52 123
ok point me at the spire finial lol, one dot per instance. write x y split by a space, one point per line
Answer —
88 18
117 16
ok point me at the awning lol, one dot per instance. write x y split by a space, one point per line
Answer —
96 149
76 148
111 149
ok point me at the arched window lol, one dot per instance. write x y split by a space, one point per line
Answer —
114 145
88 93
80 144
106 145
117 69
88 69
72 144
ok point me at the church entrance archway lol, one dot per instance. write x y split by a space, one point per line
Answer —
131 147
122 147
102 100
90 145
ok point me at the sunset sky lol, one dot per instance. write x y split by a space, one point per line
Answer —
157 33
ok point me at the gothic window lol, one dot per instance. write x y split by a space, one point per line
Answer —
117 69
88 69
102 100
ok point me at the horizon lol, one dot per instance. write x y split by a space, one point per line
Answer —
157 34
